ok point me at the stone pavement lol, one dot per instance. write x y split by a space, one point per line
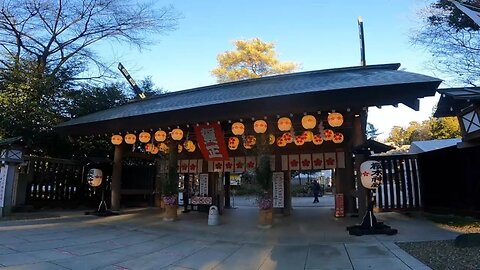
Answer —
311 238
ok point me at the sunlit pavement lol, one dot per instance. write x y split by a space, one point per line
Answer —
311 238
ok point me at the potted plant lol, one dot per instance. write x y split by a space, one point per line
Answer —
170 188
263 178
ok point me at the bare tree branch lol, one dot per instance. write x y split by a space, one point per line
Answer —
53 32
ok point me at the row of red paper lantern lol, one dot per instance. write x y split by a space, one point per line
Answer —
285 124
286 138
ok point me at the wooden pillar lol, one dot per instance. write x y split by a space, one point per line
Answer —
227 190
287 210
117 178
345 184
359 138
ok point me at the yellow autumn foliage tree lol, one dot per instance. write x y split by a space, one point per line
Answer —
252 58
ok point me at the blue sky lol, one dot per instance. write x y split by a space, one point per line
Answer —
315 34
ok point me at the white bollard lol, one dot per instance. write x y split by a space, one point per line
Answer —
213 216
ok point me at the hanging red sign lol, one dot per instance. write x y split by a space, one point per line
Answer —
211 142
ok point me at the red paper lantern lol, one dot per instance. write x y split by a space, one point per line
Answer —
317 139
233 143
338 137
281 142
328 134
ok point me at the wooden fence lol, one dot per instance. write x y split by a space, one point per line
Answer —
62 183
401 188
56 182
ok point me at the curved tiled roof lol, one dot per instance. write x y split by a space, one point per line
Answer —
293 84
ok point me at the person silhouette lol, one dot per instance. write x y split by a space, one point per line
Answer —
316 190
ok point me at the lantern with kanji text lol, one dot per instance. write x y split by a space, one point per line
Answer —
371 174
160 136
260 126
238 128
144 137
177 134
309 122
335 119
284 124
130 138
117 139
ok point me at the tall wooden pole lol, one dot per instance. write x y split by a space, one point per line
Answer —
117 178
359 136
363 62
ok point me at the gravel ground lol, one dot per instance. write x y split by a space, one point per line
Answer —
444 254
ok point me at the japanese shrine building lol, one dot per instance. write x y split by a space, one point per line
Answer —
297 98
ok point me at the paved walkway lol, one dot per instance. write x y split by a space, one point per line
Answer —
311 238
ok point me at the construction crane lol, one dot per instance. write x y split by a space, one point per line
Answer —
131 81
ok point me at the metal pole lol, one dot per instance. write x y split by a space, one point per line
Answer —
362 41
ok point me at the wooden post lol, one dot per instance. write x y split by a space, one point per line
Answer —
227 190
287 185
117 178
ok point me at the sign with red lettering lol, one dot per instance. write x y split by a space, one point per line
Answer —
211 142
339 204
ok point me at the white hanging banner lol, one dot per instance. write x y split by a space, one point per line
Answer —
3 183
203 182
192 166
330 160
218 166
317 161
229 165
239 164
306 161
251 163
199 165
210 166
284 163
184 166
278 191
294 162
272 162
